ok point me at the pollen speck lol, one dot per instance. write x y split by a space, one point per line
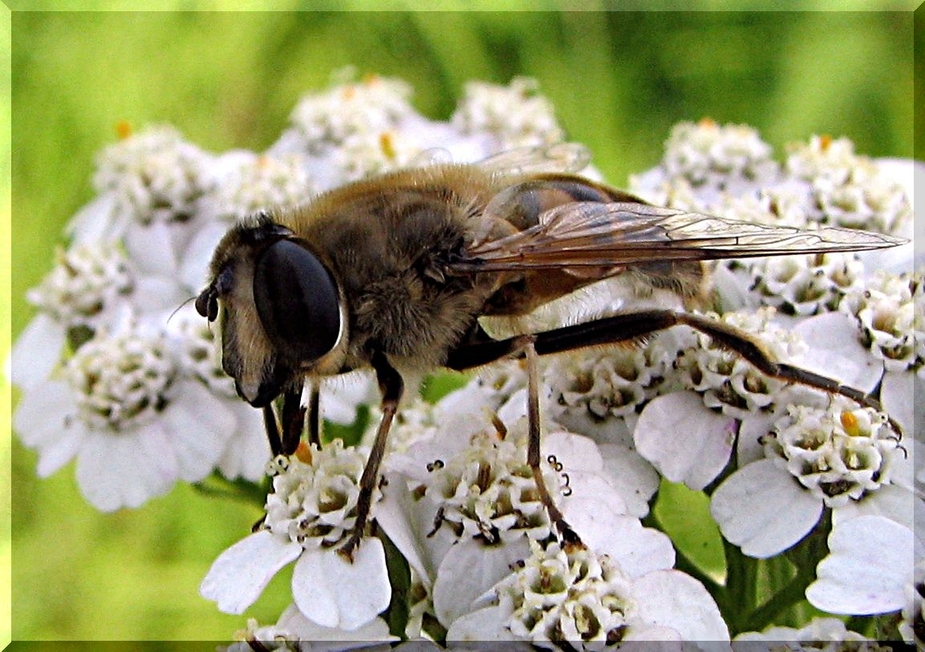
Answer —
387 144
304 453
850 423
123 129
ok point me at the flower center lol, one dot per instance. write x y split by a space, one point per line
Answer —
559 596
120 381
610 383
839 454
488 489
86 279
726 380
314 503
155 176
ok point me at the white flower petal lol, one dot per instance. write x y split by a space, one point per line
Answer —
890 501
901 397
340 396
199 426
36 351
836 351
591 493
394 515
94 222
731 288
657 638
333 592
673 599
295 623
763 510
683 439
638 550
241 573
158 293
40 418
748 445
870 562
151 249
247 451
470 569
482 626
634 478
574 452
54 455
194 268
125 469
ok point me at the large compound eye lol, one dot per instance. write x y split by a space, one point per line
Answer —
297 301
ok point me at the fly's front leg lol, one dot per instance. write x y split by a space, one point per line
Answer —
293 421
314 415
271 426
285 440
391 386
566 533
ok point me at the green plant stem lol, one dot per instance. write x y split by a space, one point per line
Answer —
792 593
400 580
741 580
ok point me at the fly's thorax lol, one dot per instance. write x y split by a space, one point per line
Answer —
390 243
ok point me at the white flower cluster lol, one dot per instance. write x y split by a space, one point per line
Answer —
517 114
558 596
888 314
315 504
84 282
488 491
806 285
459 534
838 454
120 381
708 153
847 189
153 177
372 105
601 384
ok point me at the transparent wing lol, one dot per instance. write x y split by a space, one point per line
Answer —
561 157
595 234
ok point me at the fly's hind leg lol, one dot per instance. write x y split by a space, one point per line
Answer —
627 328
634 327
480 349
566 534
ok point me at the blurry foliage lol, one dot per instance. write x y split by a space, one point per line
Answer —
619 82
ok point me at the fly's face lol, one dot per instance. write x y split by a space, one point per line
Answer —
278 309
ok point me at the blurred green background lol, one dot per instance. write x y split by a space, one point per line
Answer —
618 80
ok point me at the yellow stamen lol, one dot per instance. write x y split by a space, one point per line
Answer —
304 453
850 423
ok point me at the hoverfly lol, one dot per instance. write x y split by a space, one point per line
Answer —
394 273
